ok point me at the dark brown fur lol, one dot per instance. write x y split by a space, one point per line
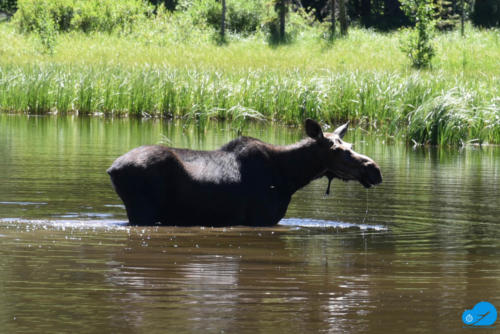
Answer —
245 182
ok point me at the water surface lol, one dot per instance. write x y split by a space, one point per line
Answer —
407 256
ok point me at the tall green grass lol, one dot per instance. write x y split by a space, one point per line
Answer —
363 78
426 109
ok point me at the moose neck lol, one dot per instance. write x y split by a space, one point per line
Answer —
300 163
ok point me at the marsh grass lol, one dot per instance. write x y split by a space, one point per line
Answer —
363 78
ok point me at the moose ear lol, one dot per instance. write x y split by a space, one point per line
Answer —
313 129
341 130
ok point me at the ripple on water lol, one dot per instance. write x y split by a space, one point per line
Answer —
110 223
84 215
316 223
71 223
22 203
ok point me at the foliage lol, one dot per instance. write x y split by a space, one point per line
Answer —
167 4
299 21
167 66
46 30
272 26
242 17
447 17
449 13
8 6
247 15
363 78
83 15
168 27
417 42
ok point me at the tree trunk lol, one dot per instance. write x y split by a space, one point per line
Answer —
332 18
223 22
462 18
282 16
342 18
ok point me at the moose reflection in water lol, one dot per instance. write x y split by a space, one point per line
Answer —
245 182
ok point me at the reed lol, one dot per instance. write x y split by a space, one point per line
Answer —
363 78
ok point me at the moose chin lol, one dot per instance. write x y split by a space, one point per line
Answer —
245 182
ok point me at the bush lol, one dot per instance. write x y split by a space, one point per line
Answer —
417 44
297 21
242 17
486 13
84 15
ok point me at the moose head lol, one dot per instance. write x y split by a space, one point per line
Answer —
339 159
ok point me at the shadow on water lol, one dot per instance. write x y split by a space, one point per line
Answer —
409 255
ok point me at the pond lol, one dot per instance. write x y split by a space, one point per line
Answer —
407 256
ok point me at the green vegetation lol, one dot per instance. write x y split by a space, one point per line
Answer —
418 45
83 15
168 64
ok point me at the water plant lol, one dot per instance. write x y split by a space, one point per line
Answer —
427 109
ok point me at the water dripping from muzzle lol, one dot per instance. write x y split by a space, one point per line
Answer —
366 206
330 178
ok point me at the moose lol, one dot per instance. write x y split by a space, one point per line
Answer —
245 182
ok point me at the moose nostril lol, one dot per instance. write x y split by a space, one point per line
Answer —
369 165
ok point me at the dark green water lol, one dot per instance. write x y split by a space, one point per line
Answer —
407 256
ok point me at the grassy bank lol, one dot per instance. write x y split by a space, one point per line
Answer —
177 73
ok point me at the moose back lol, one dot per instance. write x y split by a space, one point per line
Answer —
245 182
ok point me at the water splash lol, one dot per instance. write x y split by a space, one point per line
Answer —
328 224
366 206
67 223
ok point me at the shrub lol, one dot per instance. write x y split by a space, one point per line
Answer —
298 21
84 15
46 31
417 44
242 17
40 18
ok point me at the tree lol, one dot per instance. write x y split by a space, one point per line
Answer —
223 22
332 18
342 17
462 17
277 24
418 45
447 15
281 7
